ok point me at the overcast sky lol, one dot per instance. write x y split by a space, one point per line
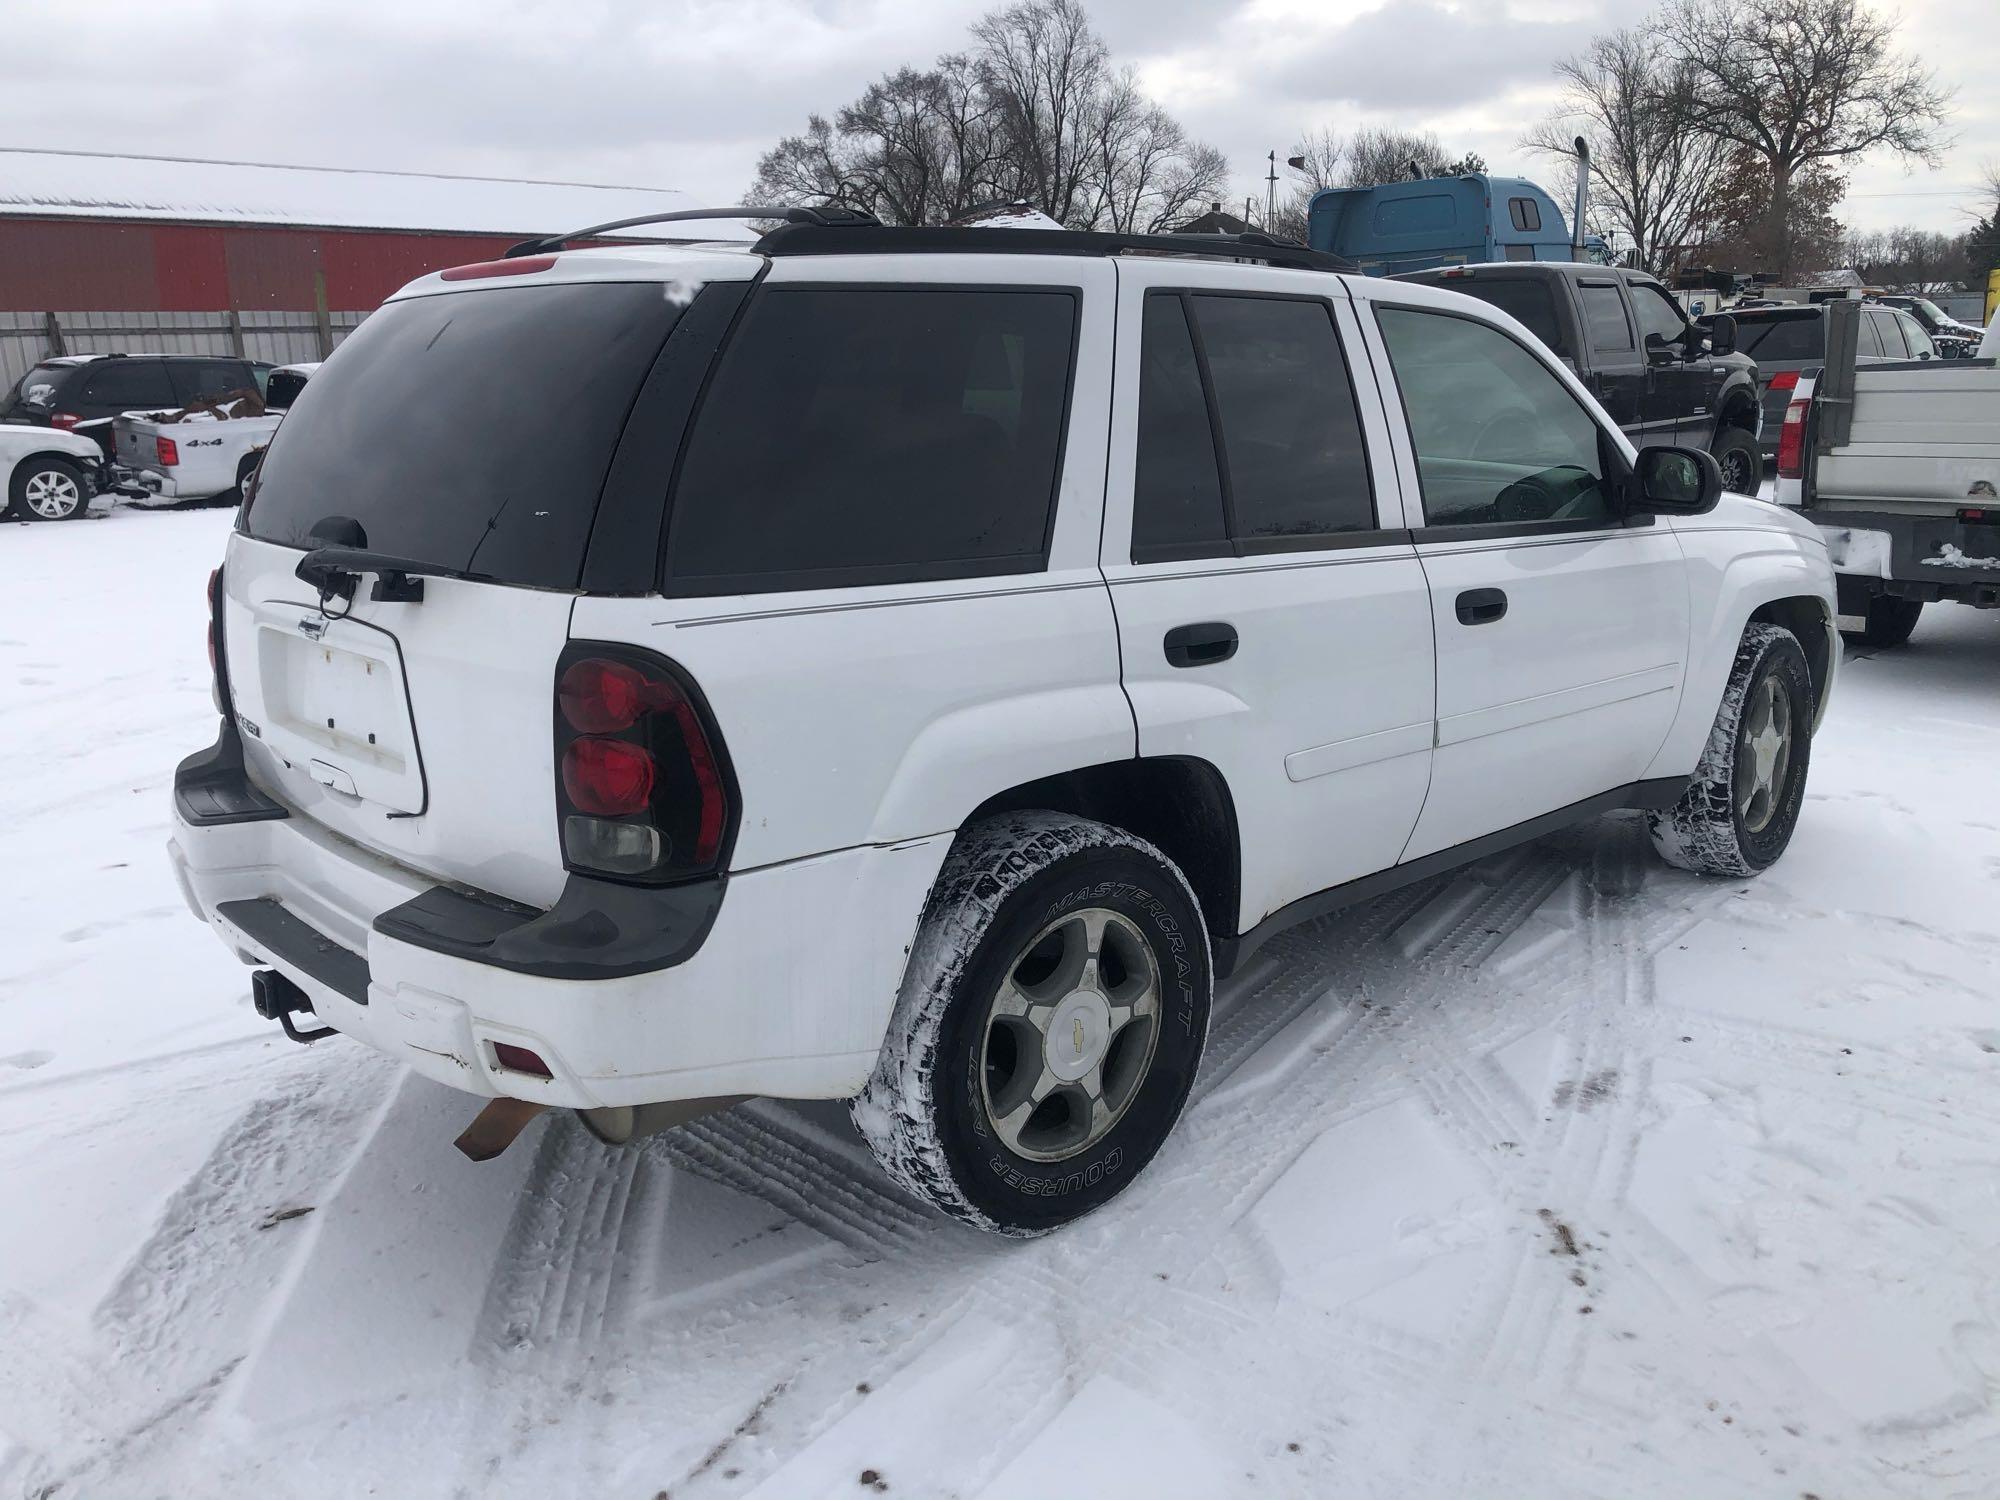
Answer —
686 93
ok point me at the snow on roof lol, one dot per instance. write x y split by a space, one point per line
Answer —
93 185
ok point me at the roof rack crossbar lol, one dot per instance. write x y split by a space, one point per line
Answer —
803 237
819 218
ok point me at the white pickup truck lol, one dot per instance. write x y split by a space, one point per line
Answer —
1898 464
200 453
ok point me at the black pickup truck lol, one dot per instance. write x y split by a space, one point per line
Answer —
1662 378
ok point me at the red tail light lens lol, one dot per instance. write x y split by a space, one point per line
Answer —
644 791
520 1060
66 420
168 450
1792 441
1784 380
608 776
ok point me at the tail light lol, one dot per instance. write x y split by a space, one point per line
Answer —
218 657
644 791
1784 380
66 420
168 451
1792 441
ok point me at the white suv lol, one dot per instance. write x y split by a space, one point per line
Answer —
913 666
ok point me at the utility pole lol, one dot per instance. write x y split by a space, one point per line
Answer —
1271 193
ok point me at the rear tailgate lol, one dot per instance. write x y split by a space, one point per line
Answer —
469 431
133 442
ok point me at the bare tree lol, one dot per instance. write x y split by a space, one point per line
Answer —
1803 82
1652 174
1034 113
1381 154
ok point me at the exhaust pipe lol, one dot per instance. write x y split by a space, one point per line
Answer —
1582 198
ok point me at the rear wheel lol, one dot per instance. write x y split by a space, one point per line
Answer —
1049 1025
1741 464
1738 812
48 489
1890 622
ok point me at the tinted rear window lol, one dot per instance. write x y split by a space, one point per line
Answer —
857 435
124 384
39 386
1528 301
471 429
1780 339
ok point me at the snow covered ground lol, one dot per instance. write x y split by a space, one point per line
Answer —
1569 1175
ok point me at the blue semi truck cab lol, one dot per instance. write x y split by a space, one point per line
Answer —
1429 222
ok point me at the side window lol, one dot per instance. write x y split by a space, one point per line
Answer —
1915 336
1177 494
1658 313
1604 317
855 435
1525 213
204 381
1498 438
1291 437
126 384
1869 340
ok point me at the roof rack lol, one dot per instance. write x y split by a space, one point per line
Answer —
822 218
830 230
863 237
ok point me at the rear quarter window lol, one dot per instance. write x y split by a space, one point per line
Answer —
855 435
468 429
1781 339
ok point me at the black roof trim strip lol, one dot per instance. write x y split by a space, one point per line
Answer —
802 237
819 217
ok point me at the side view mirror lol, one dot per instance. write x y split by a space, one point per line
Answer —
1660 351
1722 334
1677 481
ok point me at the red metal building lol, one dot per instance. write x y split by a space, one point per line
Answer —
83 232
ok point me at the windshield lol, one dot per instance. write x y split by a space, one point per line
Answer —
470 429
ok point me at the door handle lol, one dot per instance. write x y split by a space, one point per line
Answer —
1201 645
1481 606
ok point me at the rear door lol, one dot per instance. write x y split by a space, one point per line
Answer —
1618 375
881 544
112 386
1271 611
472 430
1561 630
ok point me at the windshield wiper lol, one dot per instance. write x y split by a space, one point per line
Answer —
336 571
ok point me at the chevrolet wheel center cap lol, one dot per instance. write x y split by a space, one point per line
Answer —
1077 1036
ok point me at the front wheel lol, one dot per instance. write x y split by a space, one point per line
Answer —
49 489
1049 1026
1741 464
1739 810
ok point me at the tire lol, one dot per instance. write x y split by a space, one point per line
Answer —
1742 465
1739 810
48 489
995 1004
1890 622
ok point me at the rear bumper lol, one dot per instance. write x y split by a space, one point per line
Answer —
1927 557
783 989
145 485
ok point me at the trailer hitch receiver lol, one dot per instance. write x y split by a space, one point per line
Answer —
276 998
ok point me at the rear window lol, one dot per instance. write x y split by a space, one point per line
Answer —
471 429
859 435
1799 337
1528 300
38 387
282 388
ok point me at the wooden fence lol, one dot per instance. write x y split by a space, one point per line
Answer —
283 338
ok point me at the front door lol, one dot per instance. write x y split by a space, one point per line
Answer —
1678 405
1272 616
1561 628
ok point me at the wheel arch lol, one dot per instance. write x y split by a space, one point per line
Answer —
1179 804
1736 406
1806 617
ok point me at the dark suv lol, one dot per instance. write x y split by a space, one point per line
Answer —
72 391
